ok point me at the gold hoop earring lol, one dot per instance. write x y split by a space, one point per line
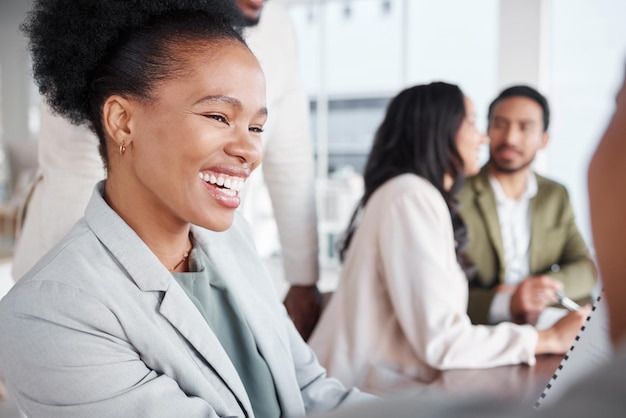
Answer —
122 148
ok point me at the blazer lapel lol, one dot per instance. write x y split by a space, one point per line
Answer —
538 229
272 344
178 309
271 347
487 203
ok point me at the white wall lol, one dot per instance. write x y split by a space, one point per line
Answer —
587 57
522 46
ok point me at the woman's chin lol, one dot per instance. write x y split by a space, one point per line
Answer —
218 226
471 171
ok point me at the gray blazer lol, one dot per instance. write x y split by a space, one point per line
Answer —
99 328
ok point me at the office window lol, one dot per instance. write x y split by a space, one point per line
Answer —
357 54
588 56
455 41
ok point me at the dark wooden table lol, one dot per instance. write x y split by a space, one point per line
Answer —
519 382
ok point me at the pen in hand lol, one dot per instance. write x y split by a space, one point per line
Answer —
567 302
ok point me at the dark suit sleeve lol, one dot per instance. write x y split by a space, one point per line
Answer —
478 304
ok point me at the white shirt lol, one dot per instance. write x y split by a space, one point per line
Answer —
514 216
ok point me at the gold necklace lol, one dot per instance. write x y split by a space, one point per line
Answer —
185 256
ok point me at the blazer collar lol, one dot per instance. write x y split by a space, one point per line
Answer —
486 201
133 255
539 225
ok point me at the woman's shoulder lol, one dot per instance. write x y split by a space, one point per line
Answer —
408 187
407 194
77 263
410 183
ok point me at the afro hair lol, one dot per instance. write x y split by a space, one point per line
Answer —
70 39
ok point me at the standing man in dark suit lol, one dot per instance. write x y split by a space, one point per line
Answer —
522 235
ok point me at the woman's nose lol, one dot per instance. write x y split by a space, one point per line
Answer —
246 146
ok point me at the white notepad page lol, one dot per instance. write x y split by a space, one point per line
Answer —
590 350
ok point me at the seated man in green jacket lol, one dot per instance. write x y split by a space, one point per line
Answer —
522 235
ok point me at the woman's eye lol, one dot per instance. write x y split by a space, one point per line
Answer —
256 129
218 118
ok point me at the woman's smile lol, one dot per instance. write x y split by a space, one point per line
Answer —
223 188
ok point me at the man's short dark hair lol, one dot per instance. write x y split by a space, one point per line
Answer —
523 91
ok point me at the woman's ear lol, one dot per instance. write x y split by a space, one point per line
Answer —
116 116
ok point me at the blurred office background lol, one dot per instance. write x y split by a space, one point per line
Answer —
357 54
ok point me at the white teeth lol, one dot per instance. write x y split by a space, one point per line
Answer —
230 185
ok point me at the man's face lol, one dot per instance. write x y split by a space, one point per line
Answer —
251 10
516 133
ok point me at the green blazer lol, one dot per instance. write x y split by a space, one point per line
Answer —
556 246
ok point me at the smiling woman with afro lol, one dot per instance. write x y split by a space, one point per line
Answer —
156 303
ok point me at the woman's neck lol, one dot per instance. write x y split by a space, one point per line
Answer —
168 240
448 182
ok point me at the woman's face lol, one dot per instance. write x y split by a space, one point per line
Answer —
469 139
194 145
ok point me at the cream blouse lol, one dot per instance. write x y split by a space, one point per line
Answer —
399 313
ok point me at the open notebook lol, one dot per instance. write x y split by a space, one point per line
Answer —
591 349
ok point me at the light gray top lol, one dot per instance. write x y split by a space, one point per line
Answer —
210 293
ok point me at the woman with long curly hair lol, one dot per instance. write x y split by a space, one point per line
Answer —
399 313
156 303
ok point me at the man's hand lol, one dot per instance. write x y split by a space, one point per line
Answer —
304 305
532 296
